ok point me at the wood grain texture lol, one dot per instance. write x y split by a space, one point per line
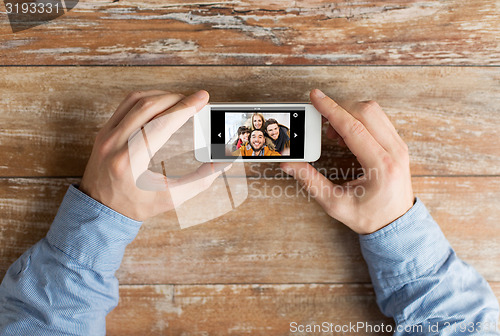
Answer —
450 117
408 32
245 309
241 309
253 270
299 244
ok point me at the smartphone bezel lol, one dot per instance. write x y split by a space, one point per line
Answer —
312 132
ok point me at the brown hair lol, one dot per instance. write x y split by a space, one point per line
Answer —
243 129
270 121
258 130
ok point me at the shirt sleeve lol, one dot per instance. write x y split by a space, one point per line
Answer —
421 283
65 283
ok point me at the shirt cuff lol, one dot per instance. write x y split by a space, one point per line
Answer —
408 248
90 232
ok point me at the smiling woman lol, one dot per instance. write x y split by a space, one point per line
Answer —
257 121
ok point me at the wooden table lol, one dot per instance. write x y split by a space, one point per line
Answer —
432 65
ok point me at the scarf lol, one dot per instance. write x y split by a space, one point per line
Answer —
279 143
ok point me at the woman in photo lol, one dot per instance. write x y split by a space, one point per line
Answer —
258 121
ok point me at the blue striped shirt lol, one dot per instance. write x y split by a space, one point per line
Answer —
421 283
66 285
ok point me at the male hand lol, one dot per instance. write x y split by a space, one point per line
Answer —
384 193
123 148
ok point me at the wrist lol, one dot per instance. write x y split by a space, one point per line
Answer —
85 188
414 238
90 232
407 207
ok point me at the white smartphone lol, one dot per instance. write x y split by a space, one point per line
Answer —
257 132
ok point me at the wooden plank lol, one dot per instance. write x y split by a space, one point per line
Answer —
398 32
448 116
247 309
295 242
28 207
242 309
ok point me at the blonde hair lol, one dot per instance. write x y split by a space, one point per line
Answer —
260 116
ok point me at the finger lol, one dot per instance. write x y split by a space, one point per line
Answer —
125 106
197 100
205 174
355 135
159 129
192 184
320 188
203 171
377 123
160 113
147 140
143 111
372 106
151 181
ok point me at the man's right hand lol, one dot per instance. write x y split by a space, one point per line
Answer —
384 193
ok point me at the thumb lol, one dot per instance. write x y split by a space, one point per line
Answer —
333 198
327 194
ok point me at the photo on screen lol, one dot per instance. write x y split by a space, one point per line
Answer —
257 134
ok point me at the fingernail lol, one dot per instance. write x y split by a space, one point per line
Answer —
202 94
318 93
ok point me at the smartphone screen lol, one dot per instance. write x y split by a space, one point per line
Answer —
257 133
